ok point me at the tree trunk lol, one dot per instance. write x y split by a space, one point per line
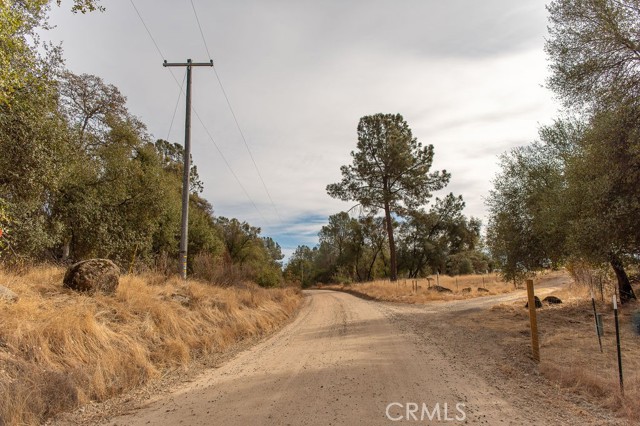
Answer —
66 249
371 265
624 286
392 243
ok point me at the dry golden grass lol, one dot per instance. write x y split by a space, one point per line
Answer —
569 350
60 349
402 290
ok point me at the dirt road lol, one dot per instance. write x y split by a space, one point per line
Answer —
478 303
348 361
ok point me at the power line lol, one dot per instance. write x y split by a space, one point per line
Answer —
147 28
175 110
233 114
198 115
255 165
200 27
228 165
244 190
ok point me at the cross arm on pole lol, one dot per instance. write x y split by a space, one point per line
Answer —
188 64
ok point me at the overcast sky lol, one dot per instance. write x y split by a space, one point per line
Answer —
467 76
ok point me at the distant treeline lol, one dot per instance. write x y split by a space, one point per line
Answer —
441 240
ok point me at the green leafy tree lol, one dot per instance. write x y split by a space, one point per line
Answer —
301 266
203 233
256 257
91 106
112 195
572 194
603 190
274 251
338 234
33 165
528 212
84 6
24 61
390 171
341 245
172 161
594 50
373 263
111 209
21 65
270 268
240 239
350 249
34 137
5 226
79 176
427 239
467 262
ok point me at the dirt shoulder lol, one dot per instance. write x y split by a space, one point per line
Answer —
574 382
99 412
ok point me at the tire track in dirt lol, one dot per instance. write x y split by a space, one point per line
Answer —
342 361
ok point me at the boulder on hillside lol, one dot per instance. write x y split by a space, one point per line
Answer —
538 303
552 300
466 290
93 276
8 295
482 290
439 289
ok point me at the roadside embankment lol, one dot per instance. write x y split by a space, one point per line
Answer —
60 349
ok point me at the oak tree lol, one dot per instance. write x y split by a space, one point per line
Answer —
594 50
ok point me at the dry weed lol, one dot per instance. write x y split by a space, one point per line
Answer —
60 349
569 349
462 287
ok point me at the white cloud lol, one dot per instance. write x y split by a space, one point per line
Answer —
465 75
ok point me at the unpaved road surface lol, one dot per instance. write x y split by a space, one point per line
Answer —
343 361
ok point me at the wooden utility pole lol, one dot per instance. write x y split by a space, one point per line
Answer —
187 162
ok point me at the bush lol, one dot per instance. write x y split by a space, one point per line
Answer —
269 277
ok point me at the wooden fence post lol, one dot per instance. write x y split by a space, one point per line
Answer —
535 346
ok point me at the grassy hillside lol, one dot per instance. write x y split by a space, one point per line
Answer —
60 349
